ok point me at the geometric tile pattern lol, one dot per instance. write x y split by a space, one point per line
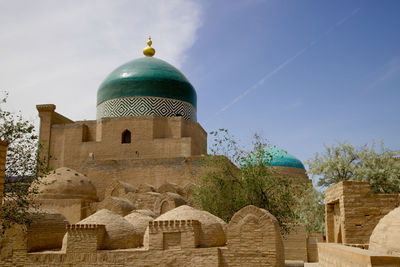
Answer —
146 106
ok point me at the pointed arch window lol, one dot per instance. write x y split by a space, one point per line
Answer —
126 137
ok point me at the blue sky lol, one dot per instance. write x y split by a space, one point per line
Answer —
345 86
302 73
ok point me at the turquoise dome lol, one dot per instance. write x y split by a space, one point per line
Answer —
146 86
280 158
147 76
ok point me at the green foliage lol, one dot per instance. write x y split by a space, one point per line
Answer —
22 168
226 188
310 209
347 162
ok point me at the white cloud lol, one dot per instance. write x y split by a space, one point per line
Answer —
60 51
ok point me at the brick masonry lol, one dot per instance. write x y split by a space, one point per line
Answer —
253 240
161 148
352 212
338 255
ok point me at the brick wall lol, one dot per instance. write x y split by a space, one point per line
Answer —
173 234
312 247
253 239
95 149
84 238
295 244
337 255
352 211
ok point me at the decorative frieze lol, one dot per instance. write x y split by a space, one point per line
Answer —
146 106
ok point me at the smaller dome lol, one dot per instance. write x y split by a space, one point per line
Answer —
140 222
280 158
118 189
144 188
118 205
168 201
212 228
169 187
120 234
147 213
386 235
66 183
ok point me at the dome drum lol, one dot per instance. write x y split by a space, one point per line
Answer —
146 106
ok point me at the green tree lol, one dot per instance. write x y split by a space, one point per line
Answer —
236 178
310 209
22 168
343 161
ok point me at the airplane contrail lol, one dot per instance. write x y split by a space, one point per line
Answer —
284 64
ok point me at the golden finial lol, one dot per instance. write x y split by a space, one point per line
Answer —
149 51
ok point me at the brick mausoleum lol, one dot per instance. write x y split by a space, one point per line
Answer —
121 188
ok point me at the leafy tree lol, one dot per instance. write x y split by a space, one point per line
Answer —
310 209
22 168
226 188
343 161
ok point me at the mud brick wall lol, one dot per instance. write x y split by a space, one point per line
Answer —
352 211
337 255
295 244
169 234
84 237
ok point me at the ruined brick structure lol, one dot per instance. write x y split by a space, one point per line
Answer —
352 211
362 228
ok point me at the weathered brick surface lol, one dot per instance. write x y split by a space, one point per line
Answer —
352 211
83 238
337 255
46 231
133 257
176 234
253 238
95 148
295 244
74 210
312 247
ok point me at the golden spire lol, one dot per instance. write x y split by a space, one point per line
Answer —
149 51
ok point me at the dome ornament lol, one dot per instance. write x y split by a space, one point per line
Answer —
149 51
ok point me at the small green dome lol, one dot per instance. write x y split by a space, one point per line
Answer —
147 76
280 158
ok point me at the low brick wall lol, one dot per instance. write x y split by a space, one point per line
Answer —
134 257
312 247
337 255
295 244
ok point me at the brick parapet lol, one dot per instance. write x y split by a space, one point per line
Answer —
83 238
173 233
173 226
46 107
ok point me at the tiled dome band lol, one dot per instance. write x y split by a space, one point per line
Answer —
146 106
